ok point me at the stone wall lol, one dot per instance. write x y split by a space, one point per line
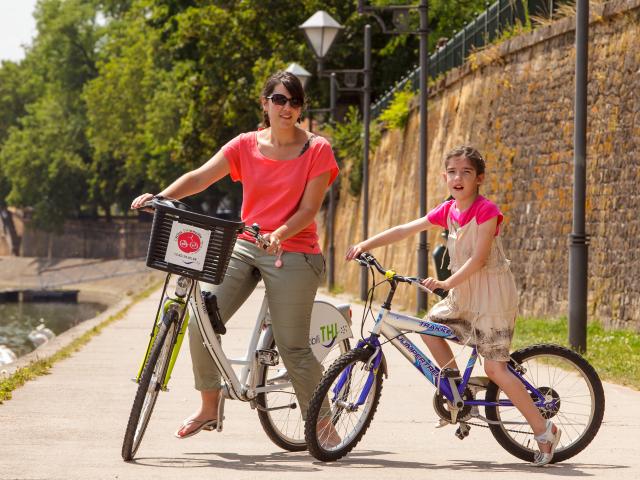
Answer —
514 102
119 238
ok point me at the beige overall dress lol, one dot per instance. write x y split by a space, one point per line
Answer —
482 309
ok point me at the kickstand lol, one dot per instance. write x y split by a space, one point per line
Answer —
220 412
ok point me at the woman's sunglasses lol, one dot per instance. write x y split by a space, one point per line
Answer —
281 100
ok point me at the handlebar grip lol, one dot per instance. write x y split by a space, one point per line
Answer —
440 292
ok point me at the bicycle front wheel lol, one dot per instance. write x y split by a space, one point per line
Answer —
150 384
340 430
285 426
574 402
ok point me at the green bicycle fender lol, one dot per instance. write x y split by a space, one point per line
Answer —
176 348
154 332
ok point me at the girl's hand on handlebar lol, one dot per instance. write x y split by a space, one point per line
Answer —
354 252
433 284
139 201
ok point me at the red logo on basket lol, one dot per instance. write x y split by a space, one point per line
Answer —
188 242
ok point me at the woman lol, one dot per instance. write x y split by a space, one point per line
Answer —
285 172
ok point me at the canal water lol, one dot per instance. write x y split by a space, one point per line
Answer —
18 319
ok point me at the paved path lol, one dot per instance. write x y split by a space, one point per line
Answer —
69 425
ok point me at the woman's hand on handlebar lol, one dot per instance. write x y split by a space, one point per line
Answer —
274 246
433 284
140 201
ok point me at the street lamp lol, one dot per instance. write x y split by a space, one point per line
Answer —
300 72
321 30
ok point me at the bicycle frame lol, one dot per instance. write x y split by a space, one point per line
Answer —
391 325
334 327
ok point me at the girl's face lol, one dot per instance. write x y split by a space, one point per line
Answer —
462 179
281 116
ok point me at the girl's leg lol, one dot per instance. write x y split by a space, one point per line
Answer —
517 393
239 281
441 350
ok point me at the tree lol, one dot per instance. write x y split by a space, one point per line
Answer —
45 152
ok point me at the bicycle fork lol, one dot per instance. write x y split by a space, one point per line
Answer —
372 365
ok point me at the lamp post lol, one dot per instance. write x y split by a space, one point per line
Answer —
579 240
400 15
320 30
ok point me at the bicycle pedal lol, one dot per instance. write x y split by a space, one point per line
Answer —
462 431
268 357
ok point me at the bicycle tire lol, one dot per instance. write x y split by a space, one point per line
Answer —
341 418
547 366
150 384
285 427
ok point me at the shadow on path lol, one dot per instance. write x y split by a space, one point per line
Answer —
302 463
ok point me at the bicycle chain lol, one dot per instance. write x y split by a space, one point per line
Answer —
487 426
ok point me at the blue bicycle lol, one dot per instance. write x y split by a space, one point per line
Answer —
563 385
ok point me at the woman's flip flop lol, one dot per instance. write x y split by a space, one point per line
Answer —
202 425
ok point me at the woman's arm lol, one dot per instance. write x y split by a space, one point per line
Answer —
486 234
306 212
391 235
191 182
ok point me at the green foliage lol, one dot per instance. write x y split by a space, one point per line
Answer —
614 354
45 152
116 97
396 115
348 143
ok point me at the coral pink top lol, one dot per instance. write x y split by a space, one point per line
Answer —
481 209
273 189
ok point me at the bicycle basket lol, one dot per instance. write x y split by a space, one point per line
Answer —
191 244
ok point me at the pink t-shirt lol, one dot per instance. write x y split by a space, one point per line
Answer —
481 209
272 189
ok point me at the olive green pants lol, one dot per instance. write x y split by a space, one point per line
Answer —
290 292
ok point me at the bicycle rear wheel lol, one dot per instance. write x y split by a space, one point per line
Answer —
344 383
150 383
285 426
574 402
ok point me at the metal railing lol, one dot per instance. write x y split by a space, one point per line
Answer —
484 29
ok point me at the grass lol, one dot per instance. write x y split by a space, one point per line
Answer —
615 354
43 366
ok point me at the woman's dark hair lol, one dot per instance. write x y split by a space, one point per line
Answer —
290 82
471 154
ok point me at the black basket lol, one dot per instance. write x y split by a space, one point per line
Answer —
221 241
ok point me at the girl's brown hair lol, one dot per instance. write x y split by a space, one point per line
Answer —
471 154
290 82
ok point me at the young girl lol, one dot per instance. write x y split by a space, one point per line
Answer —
482 302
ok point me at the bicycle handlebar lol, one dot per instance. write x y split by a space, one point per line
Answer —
253 230
367 260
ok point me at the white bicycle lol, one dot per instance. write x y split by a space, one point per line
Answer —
198 247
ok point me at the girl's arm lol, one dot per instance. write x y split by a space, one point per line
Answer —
391 235
486 234
191 182
306 212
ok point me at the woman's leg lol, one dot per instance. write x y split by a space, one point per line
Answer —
291 291
239 281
